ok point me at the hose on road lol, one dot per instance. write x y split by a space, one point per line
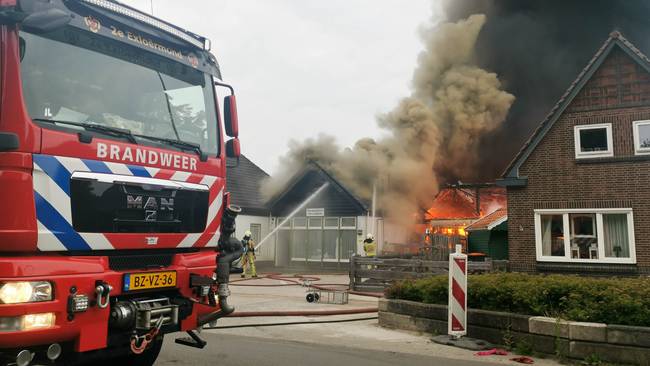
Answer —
292 323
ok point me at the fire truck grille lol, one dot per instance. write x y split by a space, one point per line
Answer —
140 261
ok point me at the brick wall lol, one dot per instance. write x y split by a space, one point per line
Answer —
557 180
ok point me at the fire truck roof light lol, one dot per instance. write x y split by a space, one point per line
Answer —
114 7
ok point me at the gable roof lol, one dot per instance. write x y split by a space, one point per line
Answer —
615 39
243 183
490 221
310 167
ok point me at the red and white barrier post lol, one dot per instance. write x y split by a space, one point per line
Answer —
457 309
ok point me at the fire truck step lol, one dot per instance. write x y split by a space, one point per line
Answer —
192 341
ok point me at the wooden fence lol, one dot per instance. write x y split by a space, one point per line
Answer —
374 274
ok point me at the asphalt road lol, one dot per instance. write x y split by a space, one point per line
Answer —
242 351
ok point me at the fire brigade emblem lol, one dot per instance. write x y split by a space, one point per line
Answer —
93 24
193 61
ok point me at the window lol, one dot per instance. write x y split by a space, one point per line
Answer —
300 223
348 222
331 223
315 222
552 235
641 137
593 141
75 77
286 224
584 235
584 242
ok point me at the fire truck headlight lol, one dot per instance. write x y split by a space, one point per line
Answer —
38 321
27 322
24 291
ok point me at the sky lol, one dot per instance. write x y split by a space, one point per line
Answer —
304 67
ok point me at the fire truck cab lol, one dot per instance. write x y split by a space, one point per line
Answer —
115 227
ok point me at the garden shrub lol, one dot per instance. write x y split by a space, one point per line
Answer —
623 301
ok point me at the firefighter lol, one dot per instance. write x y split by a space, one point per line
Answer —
428 237
369 246
248 259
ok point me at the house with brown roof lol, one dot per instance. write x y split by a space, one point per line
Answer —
488 235
578 190
459 205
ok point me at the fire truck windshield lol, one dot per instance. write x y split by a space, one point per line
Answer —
75 78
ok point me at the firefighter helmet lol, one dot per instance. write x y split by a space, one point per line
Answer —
370 236
247 234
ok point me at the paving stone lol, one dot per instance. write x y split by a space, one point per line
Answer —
430 311
628 335
382 304
406 322
610 353
592 332
548 326
499 320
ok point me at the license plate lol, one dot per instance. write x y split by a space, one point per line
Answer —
144 281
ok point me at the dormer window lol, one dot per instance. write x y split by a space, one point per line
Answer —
593 141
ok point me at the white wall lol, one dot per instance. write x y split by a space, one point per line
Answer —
365 224
266 251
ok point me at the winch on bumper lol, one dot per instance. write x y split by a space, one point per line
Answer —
143 314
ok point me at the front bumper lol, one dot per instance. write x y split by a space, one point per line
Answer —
88 330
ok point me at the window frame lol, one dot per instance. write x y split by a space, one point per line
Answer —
315 227
593 154
599 235
296 226
349 227
338 221
286 226
638 150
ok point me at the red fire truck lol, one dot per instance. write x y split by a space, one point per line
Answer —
115 228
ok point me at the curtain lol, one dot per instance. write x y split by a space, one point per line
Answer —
547 238
617 243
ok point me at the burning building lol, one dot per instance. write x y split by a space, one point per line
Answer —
458 206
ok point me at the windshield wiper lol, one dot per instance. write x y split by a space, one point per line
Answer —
179 143
116 131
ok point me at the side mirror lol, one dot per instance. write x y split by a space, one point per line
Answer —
230 116
46 20
233 150
8 141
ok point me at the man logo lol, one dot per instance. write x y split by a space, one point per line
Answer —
151 205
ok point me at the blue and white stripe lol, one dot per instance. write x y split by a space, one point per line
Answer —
52 197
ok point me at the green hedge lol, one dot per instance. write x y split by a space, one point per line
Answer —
623 301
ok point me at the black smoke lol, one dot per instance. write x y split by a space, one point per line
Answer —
537 48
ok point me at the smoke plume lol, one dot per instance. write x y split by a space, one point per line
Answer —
538 47
433 134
